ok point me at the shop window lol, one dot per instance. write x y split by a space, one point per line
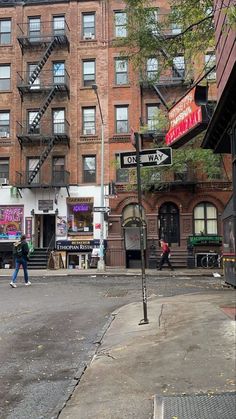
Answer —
5 31
4 124
89 169
89 127
122 124
11 222
5 77
80 217
121 69
120 24
205 219
88 25
4 172
88 72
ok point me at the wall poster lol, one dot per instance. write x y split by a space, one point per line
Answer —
11 222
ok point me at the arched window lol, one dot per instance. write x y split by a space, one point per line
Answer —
205 219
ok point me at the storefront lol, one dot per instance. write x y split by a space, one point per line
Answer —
78 254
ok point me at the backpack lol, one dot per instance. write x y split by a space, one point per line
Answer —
18 249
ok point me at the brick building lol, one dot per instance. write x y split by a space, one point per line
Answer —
51 53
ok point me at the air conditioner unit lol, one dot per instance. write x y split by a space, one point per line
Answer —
4 181
88 36
89 131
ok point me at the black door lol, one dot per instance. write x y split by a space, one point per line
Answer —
169 223
49 230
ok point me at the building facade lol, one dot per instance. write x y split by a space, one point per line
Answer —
52 55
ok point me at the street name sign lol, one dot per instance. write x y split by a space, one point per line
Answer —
148 158
101 209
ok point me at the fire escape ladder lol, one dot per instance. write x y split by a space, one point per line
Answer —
42 160
43 60
43 108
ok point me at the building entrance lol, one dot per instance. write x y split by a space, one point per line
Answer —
44 230
169 223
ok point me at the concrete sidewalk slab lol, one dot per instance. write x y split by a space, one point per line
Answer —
188 347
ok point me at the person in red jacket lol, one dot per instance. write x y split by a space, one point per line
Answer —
165 255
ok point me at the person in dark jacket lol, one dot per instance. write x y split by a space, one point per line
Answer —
165 255
21 254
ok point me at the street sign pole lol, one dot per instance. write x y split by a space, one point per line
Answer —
141 231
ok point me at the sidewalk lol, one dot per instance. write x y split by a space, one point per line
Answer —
112 272
188 347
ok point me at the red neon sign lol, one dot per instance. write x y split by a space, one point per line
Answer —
184 117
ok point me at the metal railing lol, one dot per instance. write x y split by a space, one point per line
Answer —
43 178
45 81
46 129
42 31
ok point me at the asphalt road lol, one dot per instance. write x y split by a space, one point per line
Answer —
49 330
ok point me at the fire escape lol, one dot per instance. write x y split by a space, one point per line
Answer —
40 87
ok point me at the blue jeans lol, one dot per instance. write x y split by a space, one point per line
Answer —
19 262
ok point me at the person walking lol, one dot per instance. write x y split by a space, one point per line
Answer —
21 254
165 255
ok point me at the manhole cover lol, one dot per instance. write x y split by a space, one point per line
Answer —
197 406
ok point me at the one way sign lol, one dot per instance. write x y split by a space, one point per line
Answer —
148 158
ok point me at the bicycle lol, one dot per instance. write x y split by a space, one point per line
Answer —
211 261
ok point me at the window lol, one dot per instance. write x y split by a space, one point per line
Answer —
205 219
31 117
178 70
58 118
88 72
4 171
5 32
152 68
36 82
31 165
121 67
210 60
120 24
59 73
88 25
58 174
34 28
5 77
4 124
89 126
89 169
122 125
59 25
122 175
80 216
153 21
152 116
175 29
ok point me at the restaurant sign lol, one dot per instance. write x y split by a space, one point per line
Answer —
187 119
202 240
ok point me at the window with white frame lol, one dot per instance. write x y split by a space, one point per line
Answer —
152 116
36 82
153 16
58 169
120 24
89 120
88 72
205 219
4 171
31 117
122 121
5 31
121 68
88 25
5 77
178 69
34 28
31 165
59 25
4 124
58 118
58 72
89 169
210 60
152 68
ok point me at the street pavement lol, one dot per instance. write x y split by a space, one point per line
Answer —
187 347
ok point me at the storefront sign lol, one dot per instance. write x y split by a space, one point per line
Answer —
186 120
45 204
201 240
61 225
11 222
80 215
74 245
28 227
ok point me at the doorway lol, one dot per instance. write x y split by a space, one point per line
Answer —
44 230
169 223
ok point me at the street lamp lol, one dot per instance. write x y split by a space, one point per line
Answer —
101 263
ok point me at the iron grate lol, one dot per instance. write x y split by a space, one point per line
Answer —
196 406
